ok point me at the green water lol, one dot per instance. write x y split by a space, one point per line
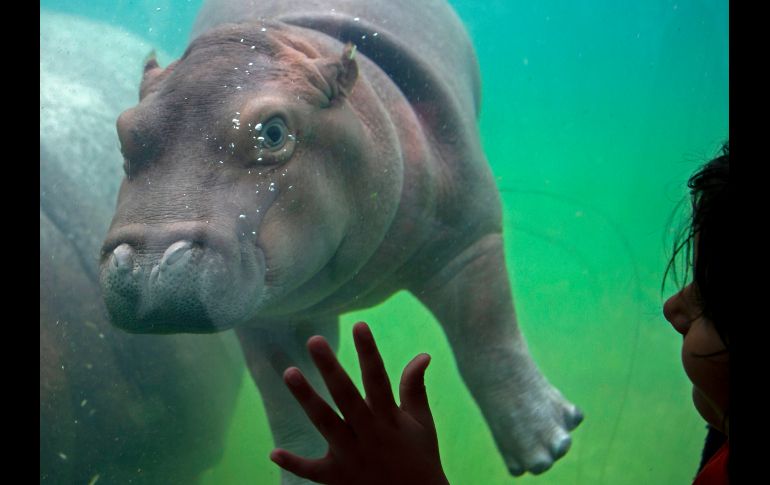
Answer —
593 115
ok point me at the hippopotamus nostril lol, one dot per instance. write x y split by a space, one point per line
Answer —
123 257
154 275
175 252
172 269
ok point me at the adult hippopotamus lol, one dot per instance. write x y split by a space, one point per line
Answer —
303 159
115 408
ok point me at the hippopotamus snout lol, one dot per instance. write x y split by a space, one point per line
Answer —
180 278
175 267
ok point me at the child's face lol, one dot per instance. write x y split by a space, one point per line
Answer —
708 372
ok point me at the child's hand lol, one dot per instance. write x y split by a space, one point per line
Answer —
376 441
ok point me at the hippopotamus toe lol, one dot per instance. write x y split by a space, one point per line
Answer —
538 459
561 445
573 416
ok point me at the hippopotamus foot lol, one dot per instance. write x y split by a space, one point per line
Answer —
269 351
529 418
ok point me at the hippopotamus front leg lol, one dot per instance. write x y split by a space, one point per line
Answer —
269 352
529 418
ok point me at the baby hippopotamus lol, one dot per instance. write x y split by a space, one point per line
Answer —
303 159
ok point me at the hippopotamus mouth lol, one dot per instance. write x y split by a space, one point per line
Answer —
181 277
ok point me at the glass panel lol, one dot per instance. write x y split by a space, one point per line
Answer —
592 115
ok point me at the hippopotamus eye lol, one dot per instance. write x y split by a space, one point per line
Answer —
274 134
269 143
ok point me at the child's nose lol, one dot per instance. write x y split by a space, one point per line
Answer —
677 310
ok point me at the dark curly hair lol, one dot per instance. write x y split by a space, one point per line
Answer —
705 241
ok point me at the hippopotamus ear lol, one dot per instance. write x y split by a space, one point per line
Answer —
153 74
340 74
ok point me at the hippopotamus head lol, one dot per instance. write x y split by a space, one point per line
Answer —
248 191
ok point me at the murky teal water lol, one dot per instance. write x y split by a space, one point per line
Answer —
593 116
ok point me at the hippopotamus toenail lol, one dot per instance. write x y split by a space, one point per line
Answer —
561 446
540 467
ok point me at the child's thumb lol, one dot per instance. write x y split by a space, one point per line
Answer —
414 400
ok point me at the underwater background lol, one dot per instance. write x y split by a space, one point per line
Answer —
594 114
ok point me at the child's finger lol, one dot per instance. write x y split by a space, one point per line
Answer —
414 399
345 394
373 373
316 470
323 417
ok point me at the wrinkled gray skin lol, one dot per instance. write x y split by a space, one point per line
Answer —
114 407
277 179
